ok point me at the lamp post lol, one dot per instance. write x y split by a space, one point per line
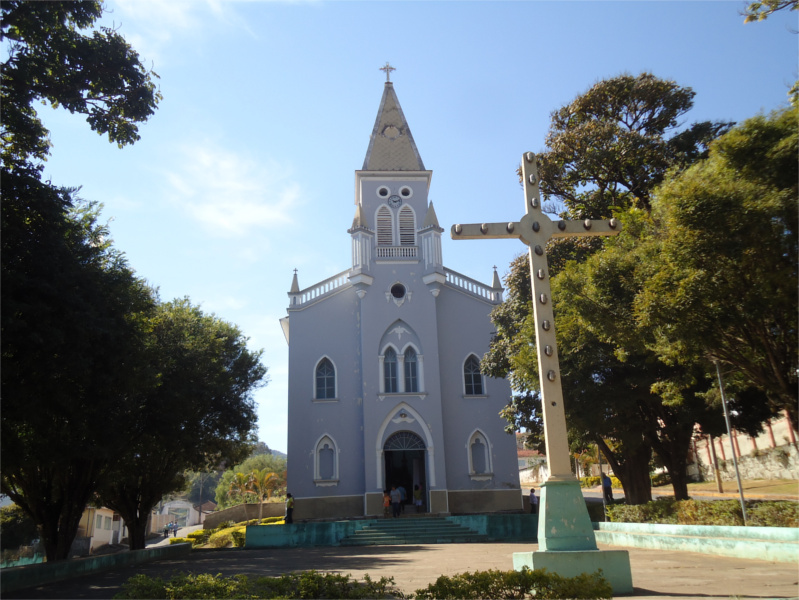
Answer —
732 447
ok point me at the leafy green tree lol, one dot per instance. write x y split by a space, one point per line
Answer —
724 284
606 153
72 309
16 528
256 462
199 413
760 11
72 356
51 58
202 485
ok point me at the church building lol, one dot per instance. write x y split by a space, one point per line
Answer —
385 386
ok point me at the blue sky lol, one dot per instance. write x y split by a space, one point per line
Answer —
246 171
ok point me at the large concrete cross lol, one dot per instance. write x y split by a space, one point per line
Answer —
566 541
535 229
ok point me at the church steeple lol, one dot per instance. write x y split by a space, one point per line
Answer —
391 145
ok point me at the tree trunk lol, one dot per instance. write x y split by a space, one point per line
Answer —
632 469
137 532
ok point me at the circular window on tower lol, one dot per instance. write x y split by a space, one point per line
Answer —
398 291
406 192
383 191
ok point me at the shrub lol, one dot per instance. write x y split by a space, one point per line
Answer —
588 482
307 584
538 583
659 479
222 538
273 521
239 536
708 512
199 537
180 540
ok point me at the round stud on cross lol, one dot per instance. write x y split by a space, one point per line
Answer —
458 229
562 225
540 274
484 228
587 223
510 227
539 250
534 202
612 223
545 325
548 350
536 226
529 157
542 298
532 179
551 377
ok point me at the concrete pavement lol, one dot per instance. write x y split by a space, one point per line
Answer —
656 574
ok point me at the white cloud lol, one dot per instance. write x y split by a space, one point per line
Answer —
230 194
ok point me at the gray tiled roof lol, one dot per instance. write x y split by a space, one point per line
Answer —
391 145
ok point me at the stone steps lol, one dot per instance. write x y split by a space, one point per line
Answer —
407 530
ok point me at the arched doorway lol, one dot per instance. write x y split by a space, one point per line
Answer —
405 457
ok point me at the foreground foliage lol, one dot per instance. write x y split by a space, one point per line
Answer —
306 584
526 583
699 512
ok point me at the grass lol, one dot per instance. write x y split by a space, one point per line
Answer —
779 487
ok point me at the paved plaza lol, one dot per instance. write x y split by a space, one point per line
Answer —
656 574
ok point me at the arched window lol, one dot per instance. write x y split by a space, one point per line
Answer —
479 456
411 371
407 227
325 380
390 371
473 379
385 233
326 461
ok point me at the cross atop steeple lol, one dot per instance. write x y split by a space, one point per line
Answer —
387 68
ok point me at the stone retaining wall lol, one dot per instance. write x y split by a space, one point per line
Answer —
781 462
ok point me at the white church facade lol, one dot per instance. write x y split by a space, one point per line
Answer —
384 381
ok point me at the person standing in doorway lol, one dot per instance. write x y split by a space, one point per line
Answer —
403 497
417 497
395 501
289 509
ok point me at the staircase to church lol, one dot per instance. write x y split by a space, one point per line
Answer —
428 530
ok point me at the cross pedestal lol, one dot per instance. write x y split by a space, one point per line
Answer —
566 540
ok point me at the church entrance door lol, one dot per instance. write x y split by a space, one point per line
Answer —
405 459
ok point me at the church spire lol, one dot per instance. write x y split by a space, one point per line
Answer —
391 145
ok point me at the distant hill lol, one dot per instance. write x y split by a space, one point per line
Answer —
278 453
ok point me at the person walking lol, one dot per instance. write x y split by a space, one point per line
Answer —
607 489
417 497
533 502
289 509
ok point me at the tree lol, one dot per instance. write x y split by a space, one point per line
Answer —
256 462
49 59
72 356
72 308
724 286
760 11
199 413
262 484
16 528
606 152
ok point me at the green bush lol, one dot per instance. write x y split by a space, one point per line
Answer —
199 537
306 584
239 536
659 479
588 482
708 512
273 521
222 538
527 583
180 540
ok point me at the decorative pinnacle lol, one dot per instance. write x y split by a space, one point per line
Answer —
387 68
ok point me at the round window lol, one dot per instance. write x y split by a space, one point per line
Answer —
398 291
383 192
406 192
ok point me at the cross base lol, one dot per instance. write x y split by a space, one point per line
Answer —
615 565
566 541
